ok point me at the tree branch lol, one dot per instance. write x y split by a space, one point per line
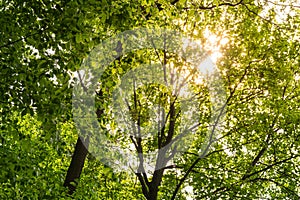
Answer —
214 6
264 19
278 184
269 167
18 40
282 4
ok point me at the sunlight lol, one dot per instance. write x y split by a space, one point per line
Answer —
213 44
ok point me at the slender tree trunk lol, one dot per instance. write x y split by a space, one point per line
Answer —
153 189
150 189
153 194
78 158
76 165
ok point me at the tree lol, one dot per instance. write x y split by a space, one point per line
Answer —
43 42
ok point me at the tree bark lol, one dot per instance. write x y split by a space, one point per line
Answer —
76 165
154 185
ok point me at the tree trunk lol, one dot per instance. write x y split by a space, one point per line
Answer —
76 165
153 192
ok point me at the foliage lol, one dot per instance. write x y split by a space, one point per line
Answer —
42 44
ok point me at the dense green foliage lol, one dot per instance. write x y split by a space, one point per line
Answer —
257 152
